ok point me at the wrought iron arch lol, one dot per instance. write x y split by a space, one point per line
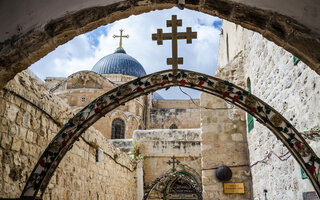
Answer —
168 180
118 129
269 117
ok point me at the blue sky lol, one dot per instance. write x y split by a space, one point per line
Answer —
84 51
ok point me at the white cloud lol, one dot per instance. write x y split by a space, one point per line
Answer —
84 51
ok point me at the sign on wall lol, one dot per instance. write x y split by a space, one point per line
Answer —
233 188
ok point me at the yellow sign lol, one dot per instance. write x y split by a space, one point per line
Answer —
233 188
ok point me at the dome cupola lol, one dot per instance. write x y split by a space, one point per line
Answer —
119 63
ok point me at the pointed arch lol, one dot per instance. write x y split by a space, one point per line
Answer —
265 114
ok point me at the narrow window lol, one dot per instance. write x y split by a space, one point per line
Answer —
118 127
249 117
173 126
83 99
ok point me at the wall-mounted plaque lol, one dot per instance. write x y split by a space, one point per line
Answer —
233 188
310 196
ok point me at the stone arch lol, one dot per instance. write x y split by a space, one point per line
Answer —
163 183
20 47
265 114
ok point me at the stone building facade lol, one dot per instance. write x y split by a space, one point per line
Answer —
145 112
81 88
30 118
292 89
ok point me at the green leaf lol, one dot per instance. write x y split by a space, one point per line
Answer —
291 135
290 143
265 119
245 93
230 89
279 128
147 83
165 77
178 75
112 97
312 159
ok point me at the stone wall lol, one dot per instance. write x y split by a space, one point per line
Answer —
224 143
81 88
293 90
183 113
158 146
26 130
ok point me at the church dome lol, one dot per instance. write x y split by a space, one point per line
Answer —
119 63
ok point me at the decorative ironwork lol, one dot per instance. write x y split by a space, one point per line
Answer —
174 36
162 187
63 141
173 162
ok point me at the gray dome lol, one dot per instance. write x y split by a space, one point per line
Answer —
119 63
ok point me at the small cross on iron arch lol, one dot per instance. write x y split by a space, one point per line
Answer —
173 162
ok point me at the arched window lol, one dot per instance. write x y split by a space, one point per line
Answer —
118 127
173 126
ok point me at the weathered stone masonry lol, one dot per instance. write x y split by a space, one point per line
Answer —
25 131
293 90
27 46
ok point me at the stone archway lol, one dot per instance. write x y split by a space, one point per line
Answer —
164 187
63 141
24 44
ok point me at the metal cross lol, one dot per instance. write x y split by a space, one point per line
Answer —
120 36
173 162
174 36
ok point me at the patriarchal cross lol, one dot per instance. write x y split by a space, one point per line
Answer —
173 162
120 36
174 36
